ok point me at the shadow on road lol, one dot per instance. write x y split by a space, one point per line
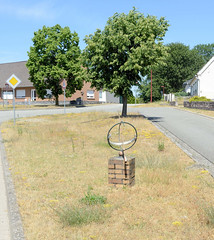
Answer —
155 119
128 116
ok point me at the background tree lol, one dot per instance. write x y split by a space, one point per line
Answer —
129 44
53 57
180 65
205 50
145 90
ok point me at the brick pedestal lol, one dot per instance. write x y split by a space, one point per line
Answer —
120 172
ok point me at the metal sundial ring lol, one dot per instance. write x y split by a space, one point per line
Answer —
122 136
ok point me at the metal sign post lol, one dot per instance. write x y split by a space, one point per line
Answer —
14 115
13 81
6 86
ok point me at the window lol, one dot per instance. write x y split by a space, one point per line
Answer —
20 93
6 95
90 94
33 95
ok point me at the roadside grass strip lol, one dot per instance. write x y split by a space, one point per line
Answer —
59 166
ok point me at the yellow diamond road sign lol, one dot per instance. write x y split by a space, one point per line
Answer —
13 81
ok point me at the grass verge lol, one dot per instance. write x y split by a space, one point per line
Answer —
201 111
54 159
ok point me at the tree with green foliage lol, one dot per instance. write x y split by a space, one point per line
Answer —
53 57
129 44
145 91
180 65
205 50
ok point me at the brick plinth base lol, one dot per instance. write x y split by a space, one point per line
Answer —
121 172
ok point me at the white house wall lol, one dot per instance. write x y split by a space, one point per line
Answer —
102 96
206 87
110 98
203 82
107 97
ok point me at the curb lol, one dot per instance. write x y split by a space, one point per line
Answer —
16 228
201 161
186 110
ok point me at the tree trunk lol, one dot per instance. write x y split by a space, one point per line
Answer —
57 101
124 111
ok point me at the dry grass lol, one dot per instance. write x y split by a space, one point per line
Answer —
153 104
26 106
201 111
54 160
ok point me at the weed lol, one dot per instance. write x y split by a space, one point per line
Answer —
93 199
73 216
72 143
209 212
20 131
161 146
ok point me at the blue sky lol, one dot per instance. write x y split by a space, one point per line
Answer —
191 21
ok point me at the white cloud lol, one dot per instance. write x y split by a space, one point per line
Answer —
39 10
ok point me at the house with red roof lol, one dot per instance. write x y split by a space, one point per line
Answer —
25 91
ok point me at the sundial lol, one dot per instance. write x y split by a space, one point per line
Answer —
122 136
121 170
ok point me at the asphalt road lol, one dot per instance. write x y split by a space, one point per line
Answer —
8 115
194 130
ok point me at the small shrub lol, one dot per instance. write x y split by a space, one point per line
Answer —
73 216
93 199
199 99
161 146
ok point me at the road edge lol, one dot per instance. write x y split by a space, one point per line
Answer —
201 162
16 227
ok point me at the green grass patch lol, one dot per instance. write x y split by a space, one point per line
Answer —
92 198
73 216
161 146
